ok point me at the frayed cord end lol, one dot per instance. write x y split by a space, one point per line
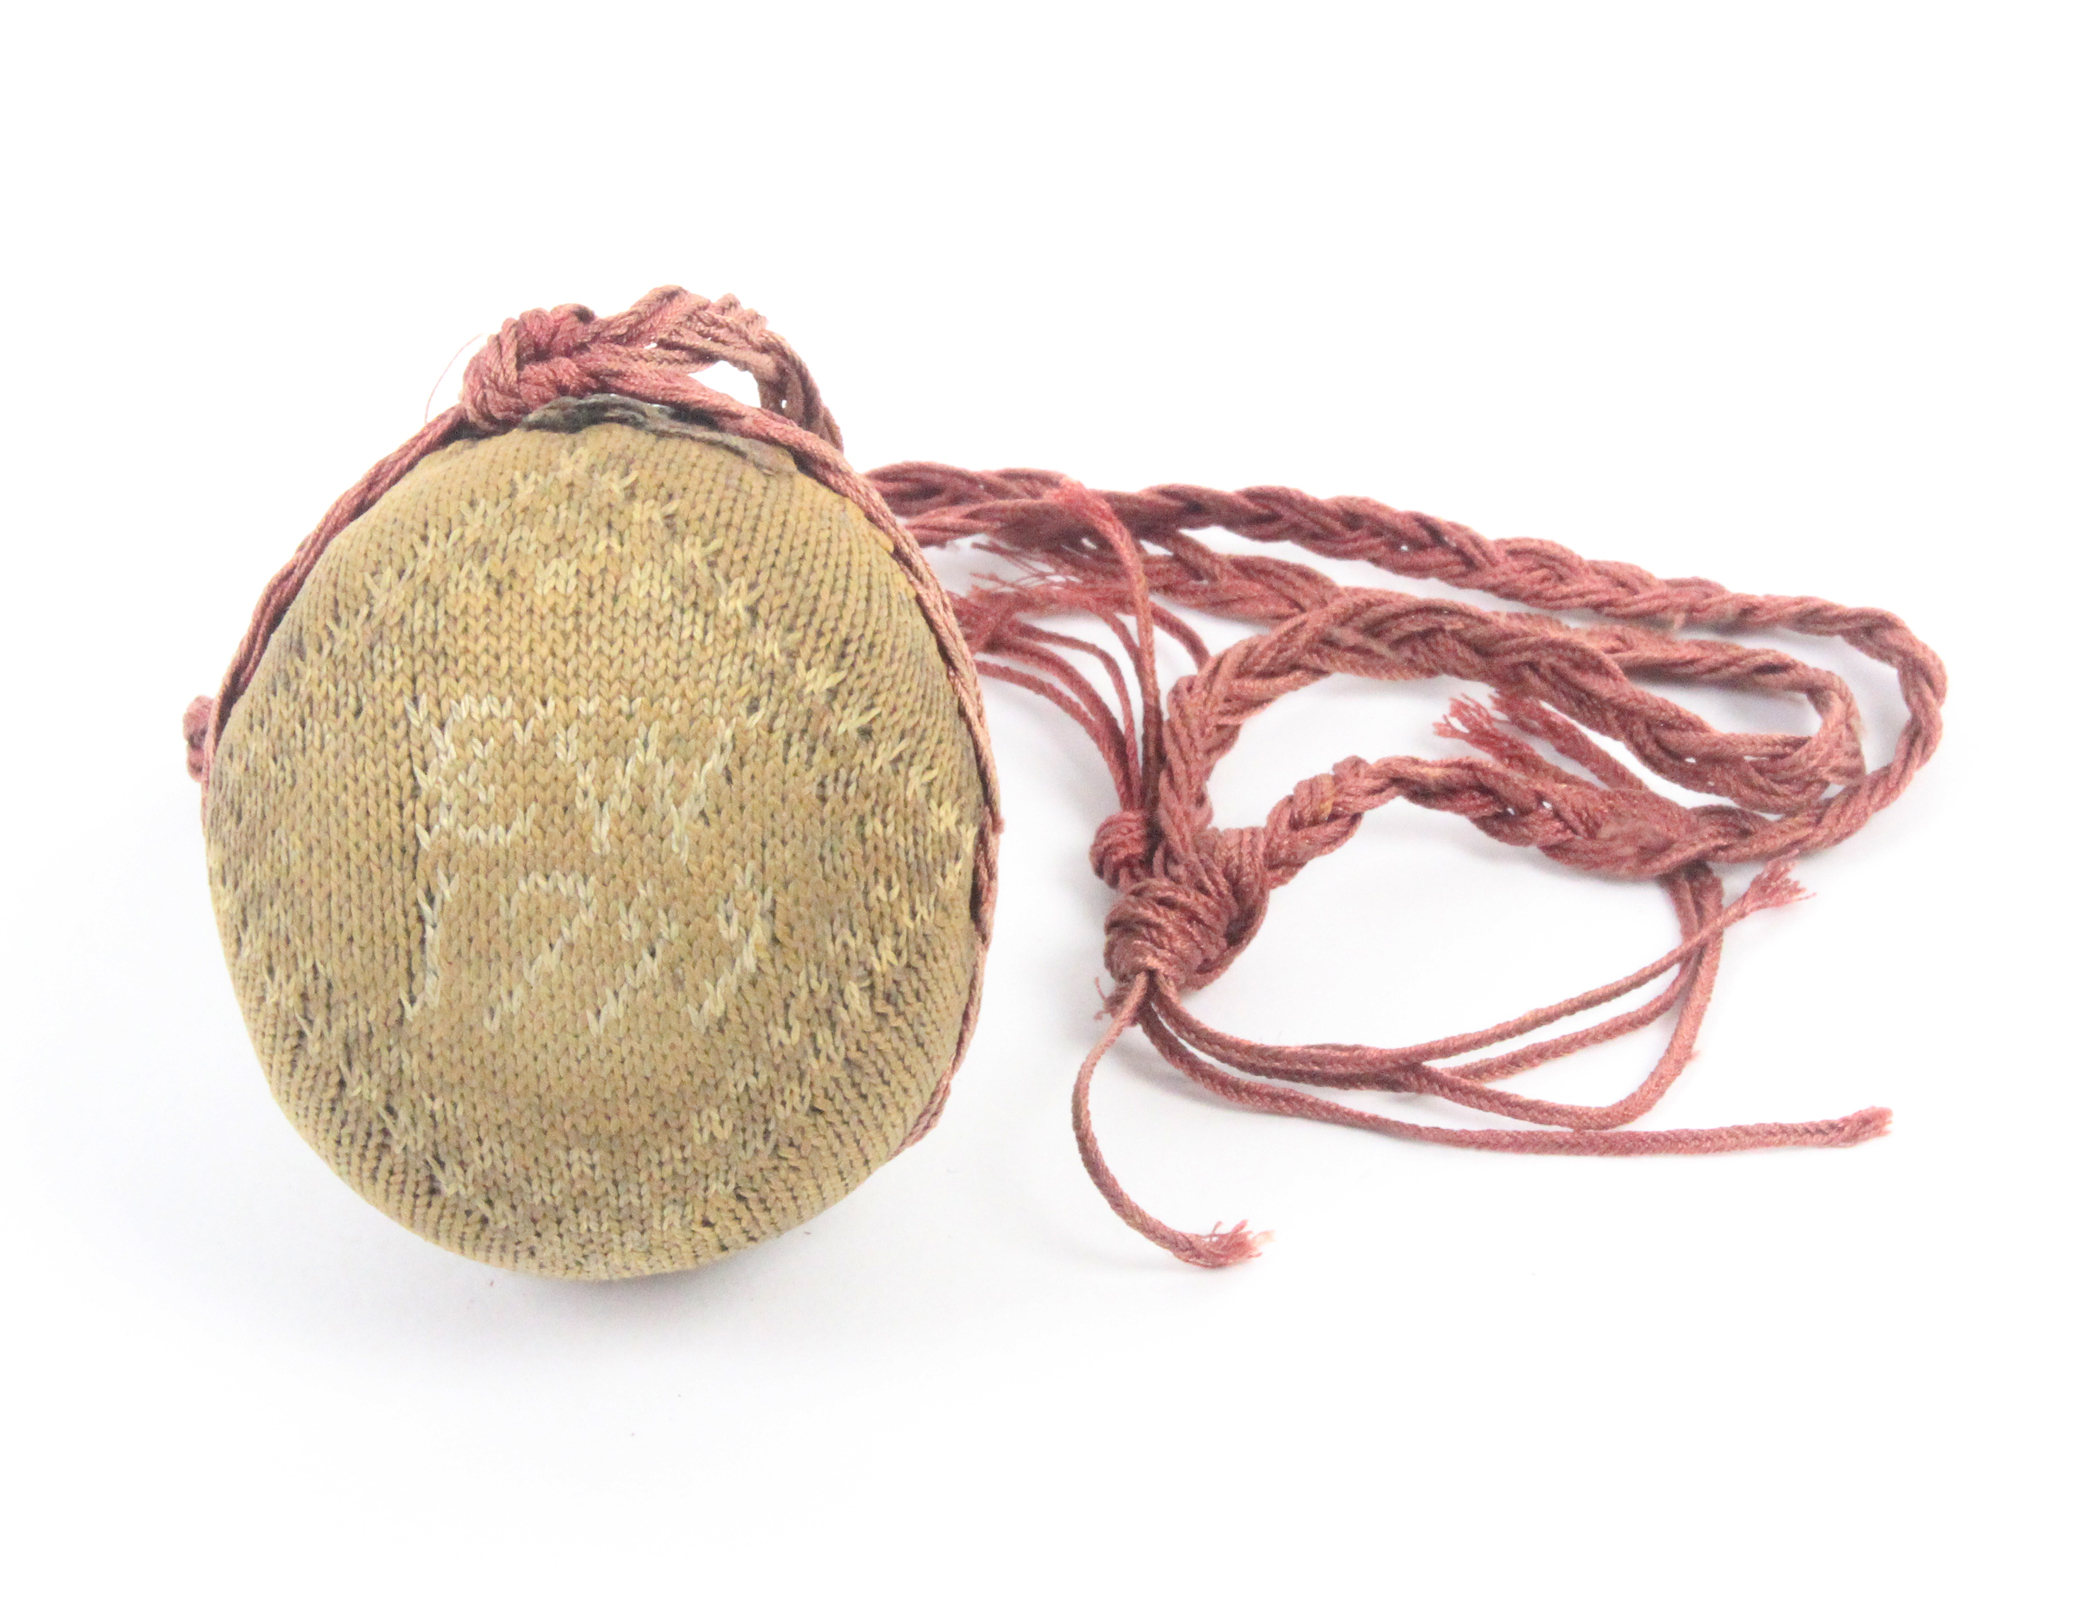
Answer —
1775 887
1222 1246
1859 1128
195 729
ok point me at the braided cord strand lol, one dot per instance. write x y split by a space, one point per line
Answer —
1191 895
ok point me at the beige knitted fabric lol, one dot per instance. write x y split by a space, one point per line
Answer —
593 850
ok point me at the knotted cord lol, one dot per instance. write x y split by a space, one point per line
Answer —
1191 895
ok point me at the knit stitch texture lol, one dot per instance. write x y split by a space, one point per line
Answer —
594 848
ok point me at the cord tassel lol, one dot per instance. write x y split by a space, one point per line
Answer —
1191 895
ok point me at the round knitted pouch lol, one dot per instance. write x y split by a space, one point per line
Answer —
601 821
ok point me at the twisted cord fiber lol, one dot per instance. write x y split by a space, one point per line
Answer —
1191 895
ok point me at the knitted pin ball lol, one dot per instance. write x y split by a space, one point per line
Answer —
601 821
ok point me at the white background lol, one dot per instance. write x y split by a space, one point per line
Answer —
1784 295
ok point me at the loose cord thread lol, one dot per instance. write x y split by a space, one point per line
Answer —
1191 896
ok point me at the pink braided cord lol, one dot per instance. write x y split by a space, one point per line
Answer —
1192 895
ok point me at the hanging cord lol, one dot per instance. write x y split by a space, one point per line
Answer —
1190 896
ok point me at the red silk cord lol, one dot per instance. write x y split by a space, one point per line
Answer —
1191 895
